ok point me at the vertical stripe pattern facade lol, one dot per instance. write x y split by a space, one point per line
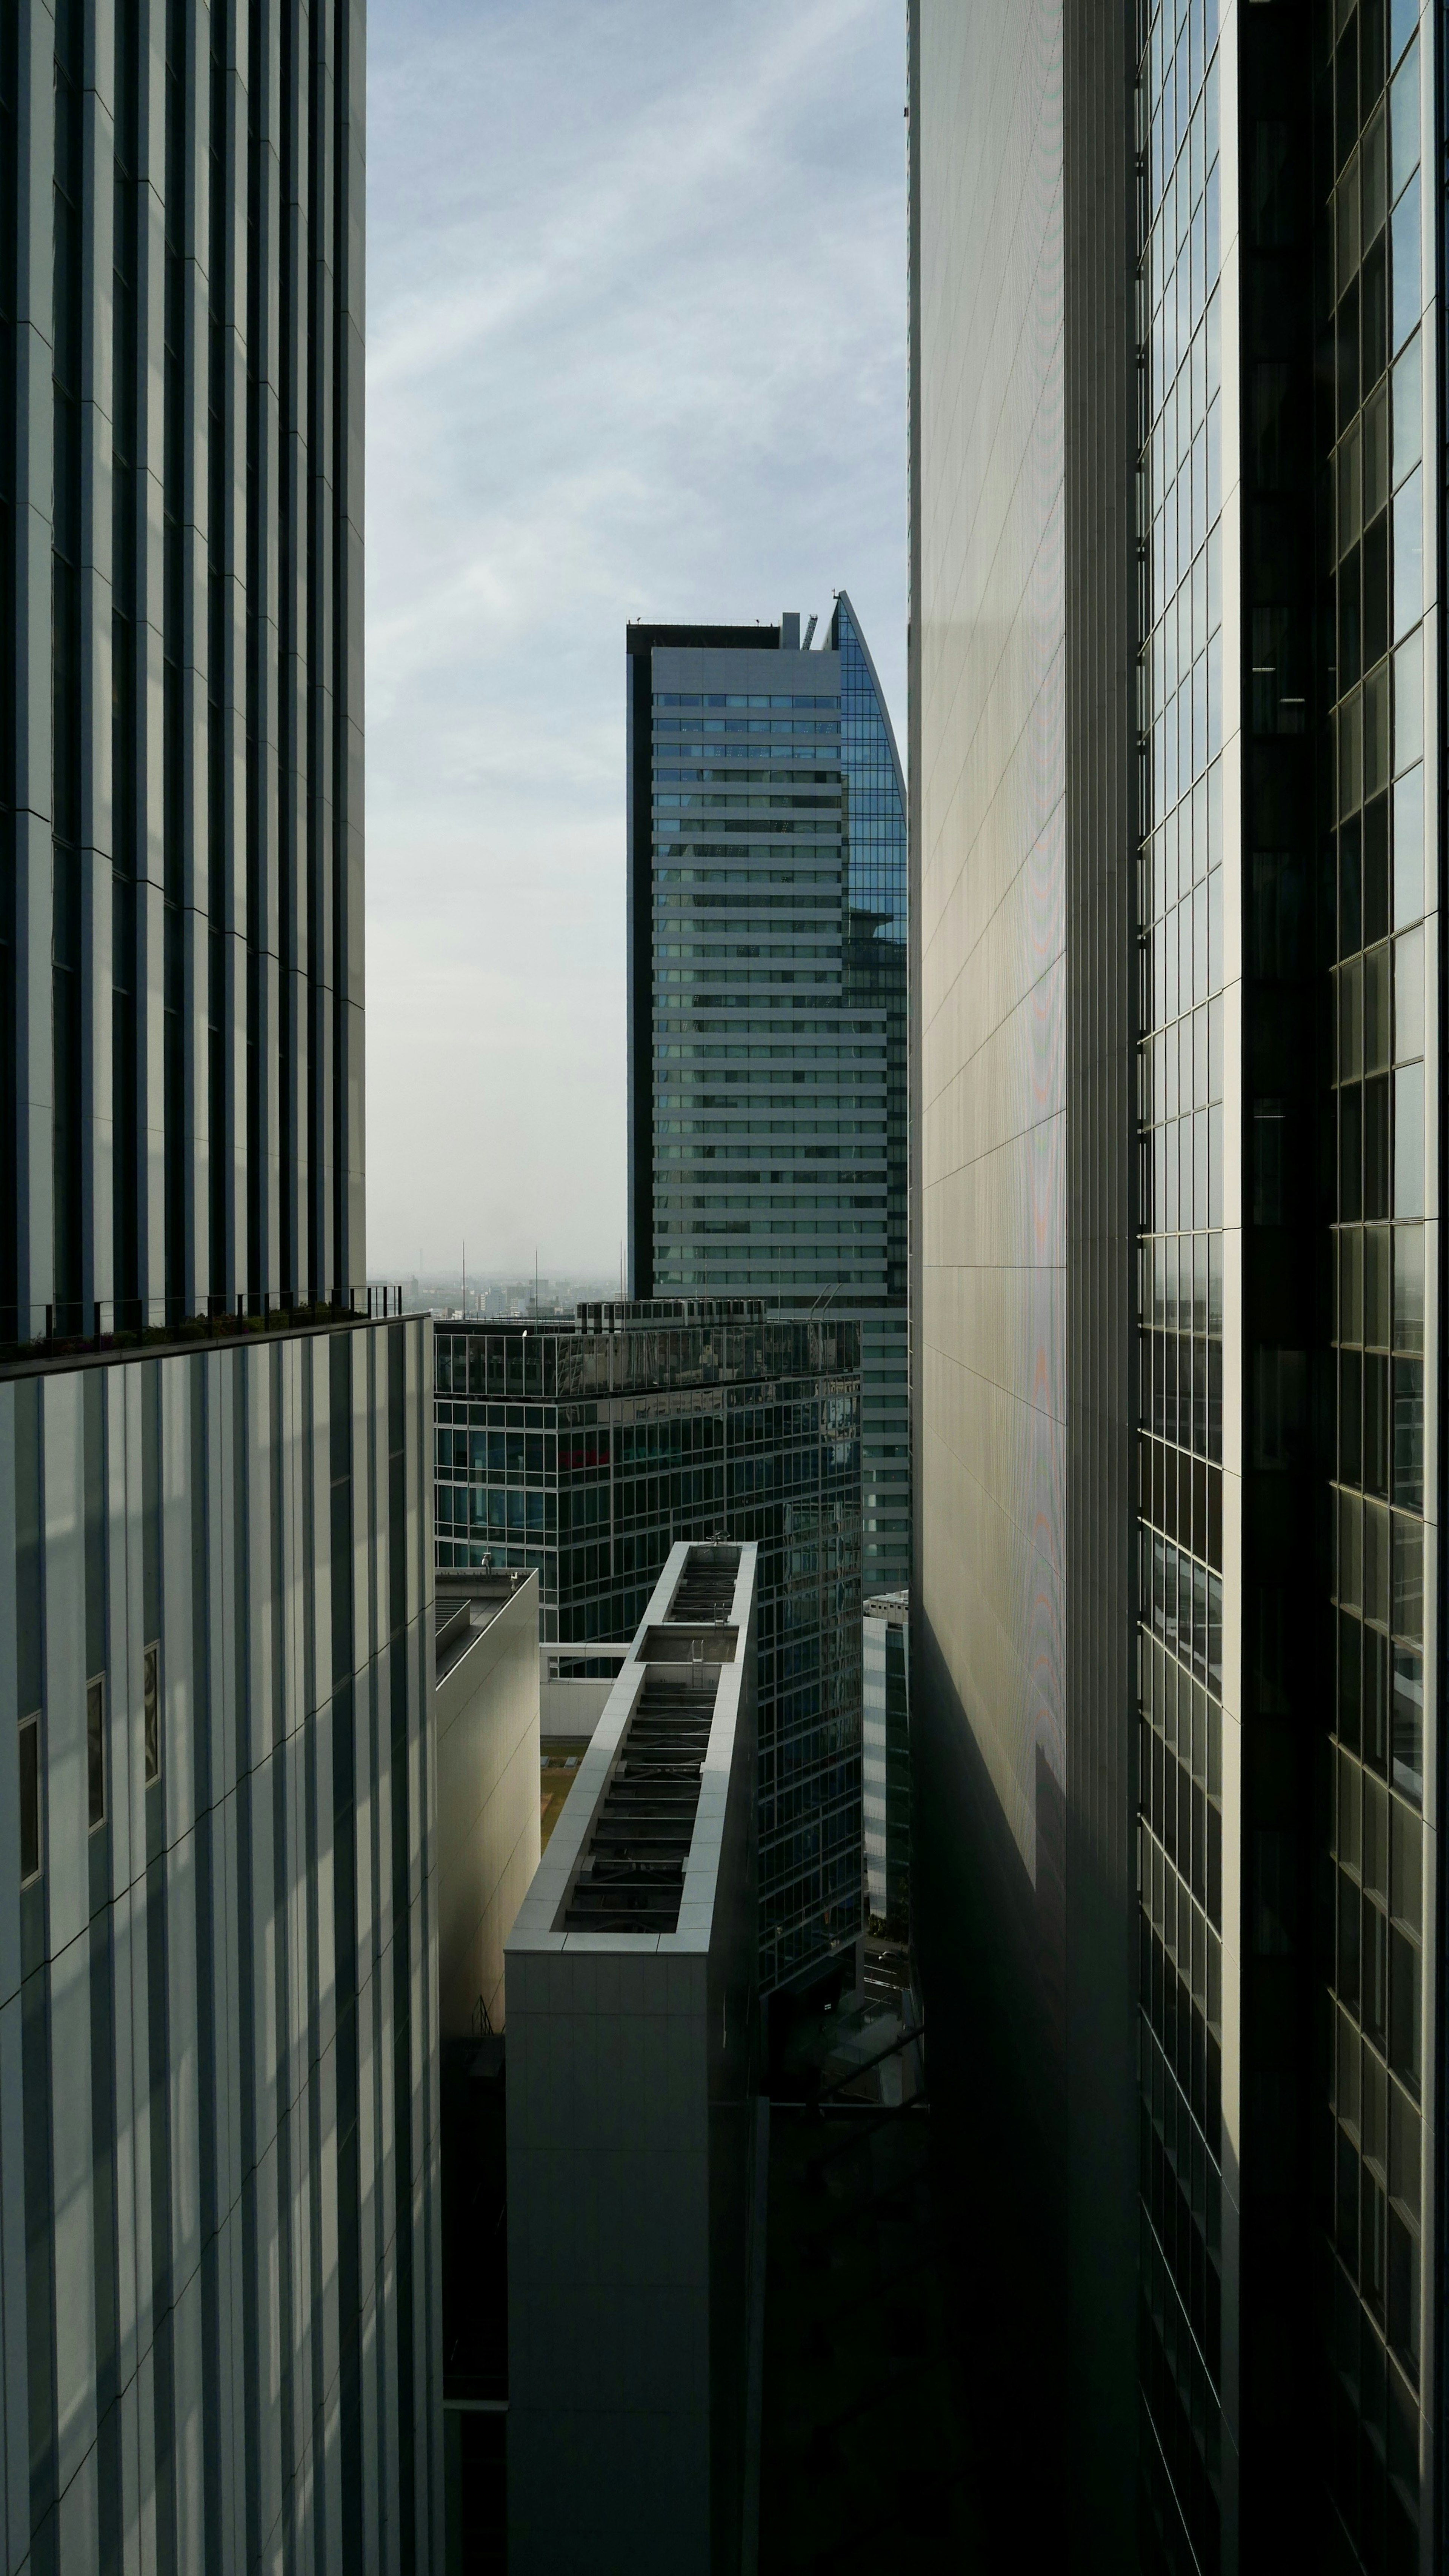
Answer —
219 2215
181 207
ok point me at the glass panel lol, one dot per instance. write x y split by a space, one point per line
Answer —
1375 1562
1350 1551
1408 409
1409 1141
1376 452
1409 995
1408 1288
1376 723
1409 703
1350 512
1409 553
1349 1797
1350 1021
1350 756
1404 231
1375 1837
1407 1868
1409 847
1376 1287
1408 1579
1404 123
1408 1723
1376 1039
1350 1285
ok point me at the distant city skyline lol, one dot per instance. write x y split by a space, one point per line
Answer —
606 377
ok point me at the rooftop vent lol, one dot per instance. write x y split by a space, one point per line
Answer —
632 1877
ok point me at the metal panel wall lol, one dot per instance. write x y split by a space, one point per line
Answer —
1023 805
181 800
218 1992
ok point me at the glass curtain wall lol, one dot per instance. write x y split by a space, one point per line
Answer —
875 819
1372 75
876 977
597 1452
769 1107
1180 1075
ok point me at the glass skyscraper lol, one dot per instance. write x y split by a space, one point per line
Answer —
219 2205
587 1450
767 999
1176 709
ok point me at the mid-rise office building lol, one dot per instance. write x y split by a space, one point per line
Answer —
218 2149
767 999
633 2072
587 1451
1176 715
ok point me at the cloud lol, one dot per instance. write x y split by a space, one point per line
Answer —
636 346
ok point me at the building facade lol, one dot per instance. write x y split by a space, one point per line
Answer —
633 2083
181 747
219 2262
1176 709
767 999
587 1452
885 1770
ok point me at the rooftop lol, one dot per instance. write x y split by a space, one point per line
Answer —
635 1855
464 1605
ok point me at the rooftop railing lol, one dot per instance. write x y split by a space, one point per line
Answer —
38 1336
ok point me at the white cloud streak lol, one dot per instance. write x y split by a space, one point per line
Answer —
636 346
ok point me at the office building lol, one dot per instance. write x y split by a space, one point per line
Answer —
885 1759
218 1910
588 1451
632 2079
767 999
1176 714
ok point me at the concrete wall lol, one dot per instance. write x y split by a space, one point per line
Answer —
488 1806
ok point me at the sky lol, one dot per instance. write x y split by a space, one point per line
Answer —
636 347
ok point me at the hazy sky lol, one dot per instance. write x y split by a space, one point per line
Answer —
636 346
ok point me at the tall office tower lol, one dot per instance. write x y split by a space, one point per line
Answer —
586 1451
218 2159
1176 710
767 1000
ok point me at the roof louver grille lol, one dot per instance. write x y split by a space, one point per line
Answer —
706 1589
632 1877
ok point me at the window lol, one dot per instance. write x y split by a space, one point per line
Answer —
29 1798
151 1712
96 1751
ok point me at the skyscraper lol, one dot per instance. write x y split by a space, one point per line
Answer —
767 999
218 2154
1175 710
587 1451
